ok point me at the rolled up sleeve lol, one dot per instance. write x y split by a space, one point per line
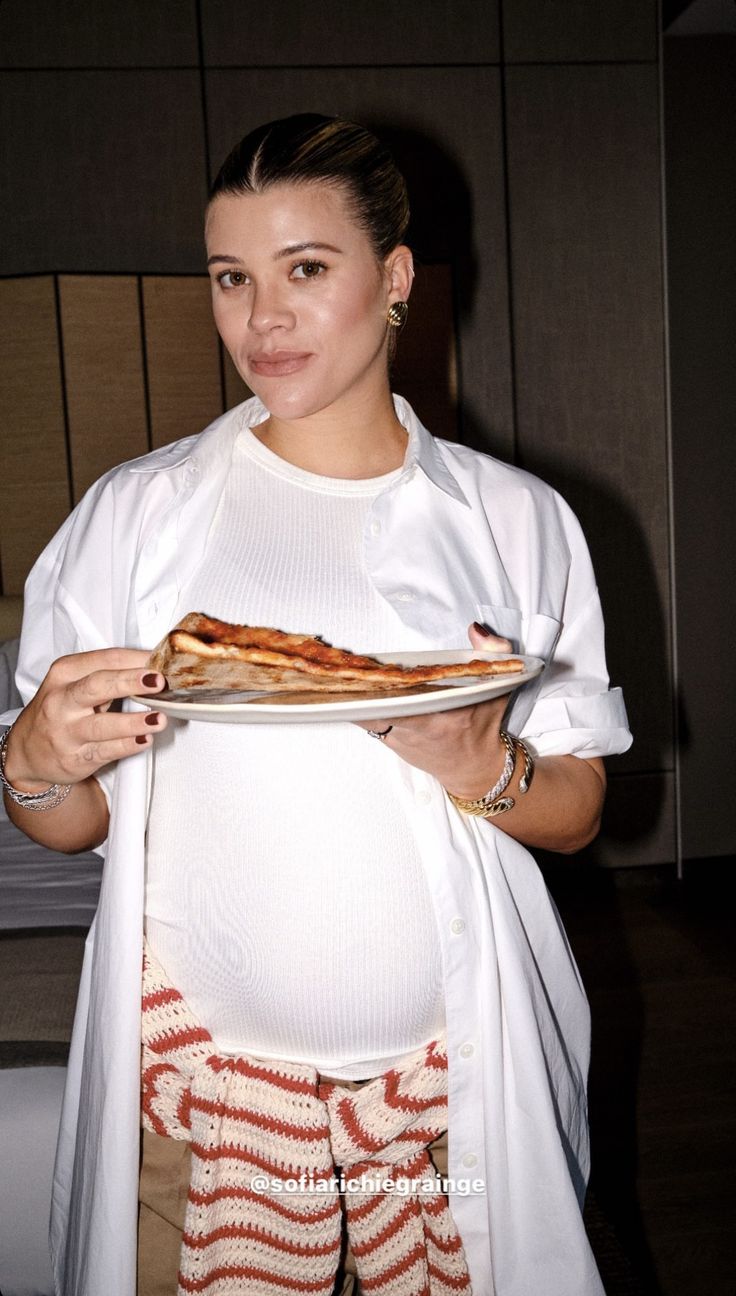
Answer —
574 711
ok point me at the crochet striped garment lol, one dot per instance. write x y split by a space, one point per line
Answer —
259 1128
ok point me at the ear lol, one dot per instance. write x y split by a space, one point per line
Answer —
399 267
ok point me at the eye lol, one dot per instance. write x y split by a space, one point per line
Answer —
237 278
309 269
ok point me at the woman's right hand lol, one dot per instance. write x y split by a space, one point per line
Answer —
67 732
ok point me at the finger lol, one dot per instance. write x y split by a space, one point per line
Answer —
439 726
374 726
481 637
425 723
107 738
92 756
77 665
90 743
108 726
105 685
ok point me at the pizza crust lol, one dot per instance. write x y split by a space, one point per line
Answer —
203 652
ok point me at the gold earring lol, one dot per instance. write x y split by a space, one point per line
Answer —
397 314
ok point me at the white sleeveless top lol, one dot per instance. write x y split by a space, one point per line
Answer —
284 892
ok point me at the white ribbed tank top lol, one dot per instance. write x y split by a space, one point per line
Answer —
284 893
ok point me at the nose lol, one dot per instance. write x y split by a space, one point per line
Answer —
269 310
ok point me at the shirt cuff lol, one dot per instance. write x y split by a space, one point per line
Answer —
587 726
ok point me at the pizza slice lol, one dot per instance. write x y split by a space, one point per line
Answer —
202 652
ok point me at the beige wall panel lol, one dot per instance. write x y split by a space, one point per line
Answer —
11 615
444 125
425 371
182 356
589 344
32 514
33 457
103 364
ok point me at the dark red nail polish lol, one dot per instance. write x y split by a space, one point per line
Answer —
482 629
142 738
150 680
153 717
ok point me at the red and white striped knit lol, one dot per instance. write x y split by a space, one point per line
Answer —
254 1124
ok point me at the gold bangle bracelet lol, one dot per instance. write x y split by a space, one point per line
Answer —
528 773
490 806
483 809
482 805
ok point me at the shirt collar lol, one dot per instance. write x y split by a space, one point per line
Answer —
206 448
423 451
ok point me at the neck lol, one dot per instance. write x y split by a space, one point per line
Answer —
355 439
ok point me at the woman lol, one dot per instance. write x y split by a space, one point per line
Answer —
323 901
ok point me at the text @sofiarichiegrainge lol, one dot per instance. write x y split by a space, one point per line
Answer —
400 1185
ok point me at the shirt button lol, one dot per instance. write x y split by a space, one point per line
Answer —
457 926
375 528
423 797
404 596
470 1160
466 1050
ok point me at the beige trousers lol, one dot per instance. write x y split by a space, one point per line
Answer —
163 1190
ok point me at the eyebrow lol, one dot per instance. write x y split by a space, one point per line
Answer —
305 247
291 250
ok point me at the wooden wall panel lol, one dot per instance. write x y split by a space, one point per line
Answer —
589 345
445 128
235 389
108 171
380 33
545 31
108 154
108 33
700 165
182 355
11 615
425 371
103 363
639 821
33 456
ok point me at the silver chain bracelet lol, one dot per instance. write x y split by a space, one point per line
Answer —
47 800
506 772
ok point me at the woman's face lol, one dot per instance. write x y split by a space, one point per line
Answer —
300 298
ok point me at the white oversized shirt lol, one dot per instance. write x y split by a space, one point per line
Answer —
457 537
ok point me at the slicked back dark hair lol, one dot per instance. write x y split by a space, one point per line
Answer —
311 149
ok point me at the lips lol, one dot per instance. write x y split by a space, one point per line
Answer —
278 364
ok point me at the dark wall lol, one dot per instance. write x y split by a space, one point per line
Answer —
530 133
700 129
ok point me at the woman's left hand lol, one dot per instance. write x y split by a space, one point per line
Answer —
464 751
461 748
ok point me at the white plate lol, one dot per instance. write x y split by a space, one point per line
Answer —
253 708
